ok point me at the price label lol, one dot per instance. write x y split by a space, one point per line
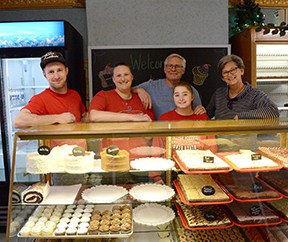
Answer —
44 150
208 190
210 215
257 187
112 150
256 157
255 210
208 159
78 151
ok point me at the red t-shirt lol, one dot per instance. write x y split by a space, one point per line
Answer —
50 102
111 101
174 116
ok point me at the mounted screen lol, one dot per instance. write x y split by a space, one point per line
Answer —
31 34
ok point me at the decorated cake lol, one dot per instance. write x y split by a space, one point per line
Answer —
252 213
201 160
200 188
58 155
277 179
250 160
38 164
113 159
79 161
245 186
277 154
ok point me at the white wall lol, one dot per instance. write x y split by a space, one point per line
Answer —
157 22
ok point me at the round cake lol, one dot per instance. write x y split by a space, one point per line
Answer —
79 164
118 162
37 164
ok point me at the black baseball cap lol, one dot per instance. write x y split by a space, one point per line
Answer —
51 56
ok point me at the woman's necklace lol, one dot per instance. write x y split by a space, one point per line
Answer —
125 99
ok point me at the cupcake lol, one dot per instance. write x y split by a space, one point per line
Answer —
83 224
71 231
105 222
46 231
104 229
96 217
35 231
50 224
126 228
69 210
89 206
29 224
82 230
72 206
67 215
115 228
84 219
25 231
60 231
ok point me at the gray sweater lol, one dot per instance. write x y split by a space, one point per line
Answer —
251 103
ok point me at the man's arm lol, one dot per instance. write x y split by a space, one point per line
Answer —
144 97
26 119
107 116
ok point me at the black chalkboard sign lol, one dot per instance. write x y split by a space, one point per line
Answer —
148 63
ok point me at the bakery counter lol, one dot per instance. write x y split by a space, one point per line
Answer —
99 191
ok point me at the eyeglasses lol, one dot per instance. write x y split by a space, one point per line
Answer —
177 67
232 72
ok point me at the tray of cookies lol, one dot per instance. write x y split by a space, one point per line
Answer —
277 154
79 221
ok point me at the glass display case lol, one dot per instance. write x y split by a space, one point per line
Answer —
82 177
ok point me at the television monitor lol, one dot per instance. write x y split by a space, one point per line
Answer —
32 34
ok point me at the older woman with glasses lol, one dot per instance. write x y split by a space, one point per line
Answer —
238 100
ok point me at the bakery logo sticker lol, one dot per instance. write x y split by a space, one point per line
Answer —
256 157
210 215
112 150
78 151
208 159
44 150
257 187
208 190
255 210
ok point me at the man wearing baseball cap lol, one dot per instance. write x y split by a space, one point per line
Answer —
56 104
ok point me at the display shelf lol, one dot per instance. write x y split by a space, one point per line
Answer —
44 134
